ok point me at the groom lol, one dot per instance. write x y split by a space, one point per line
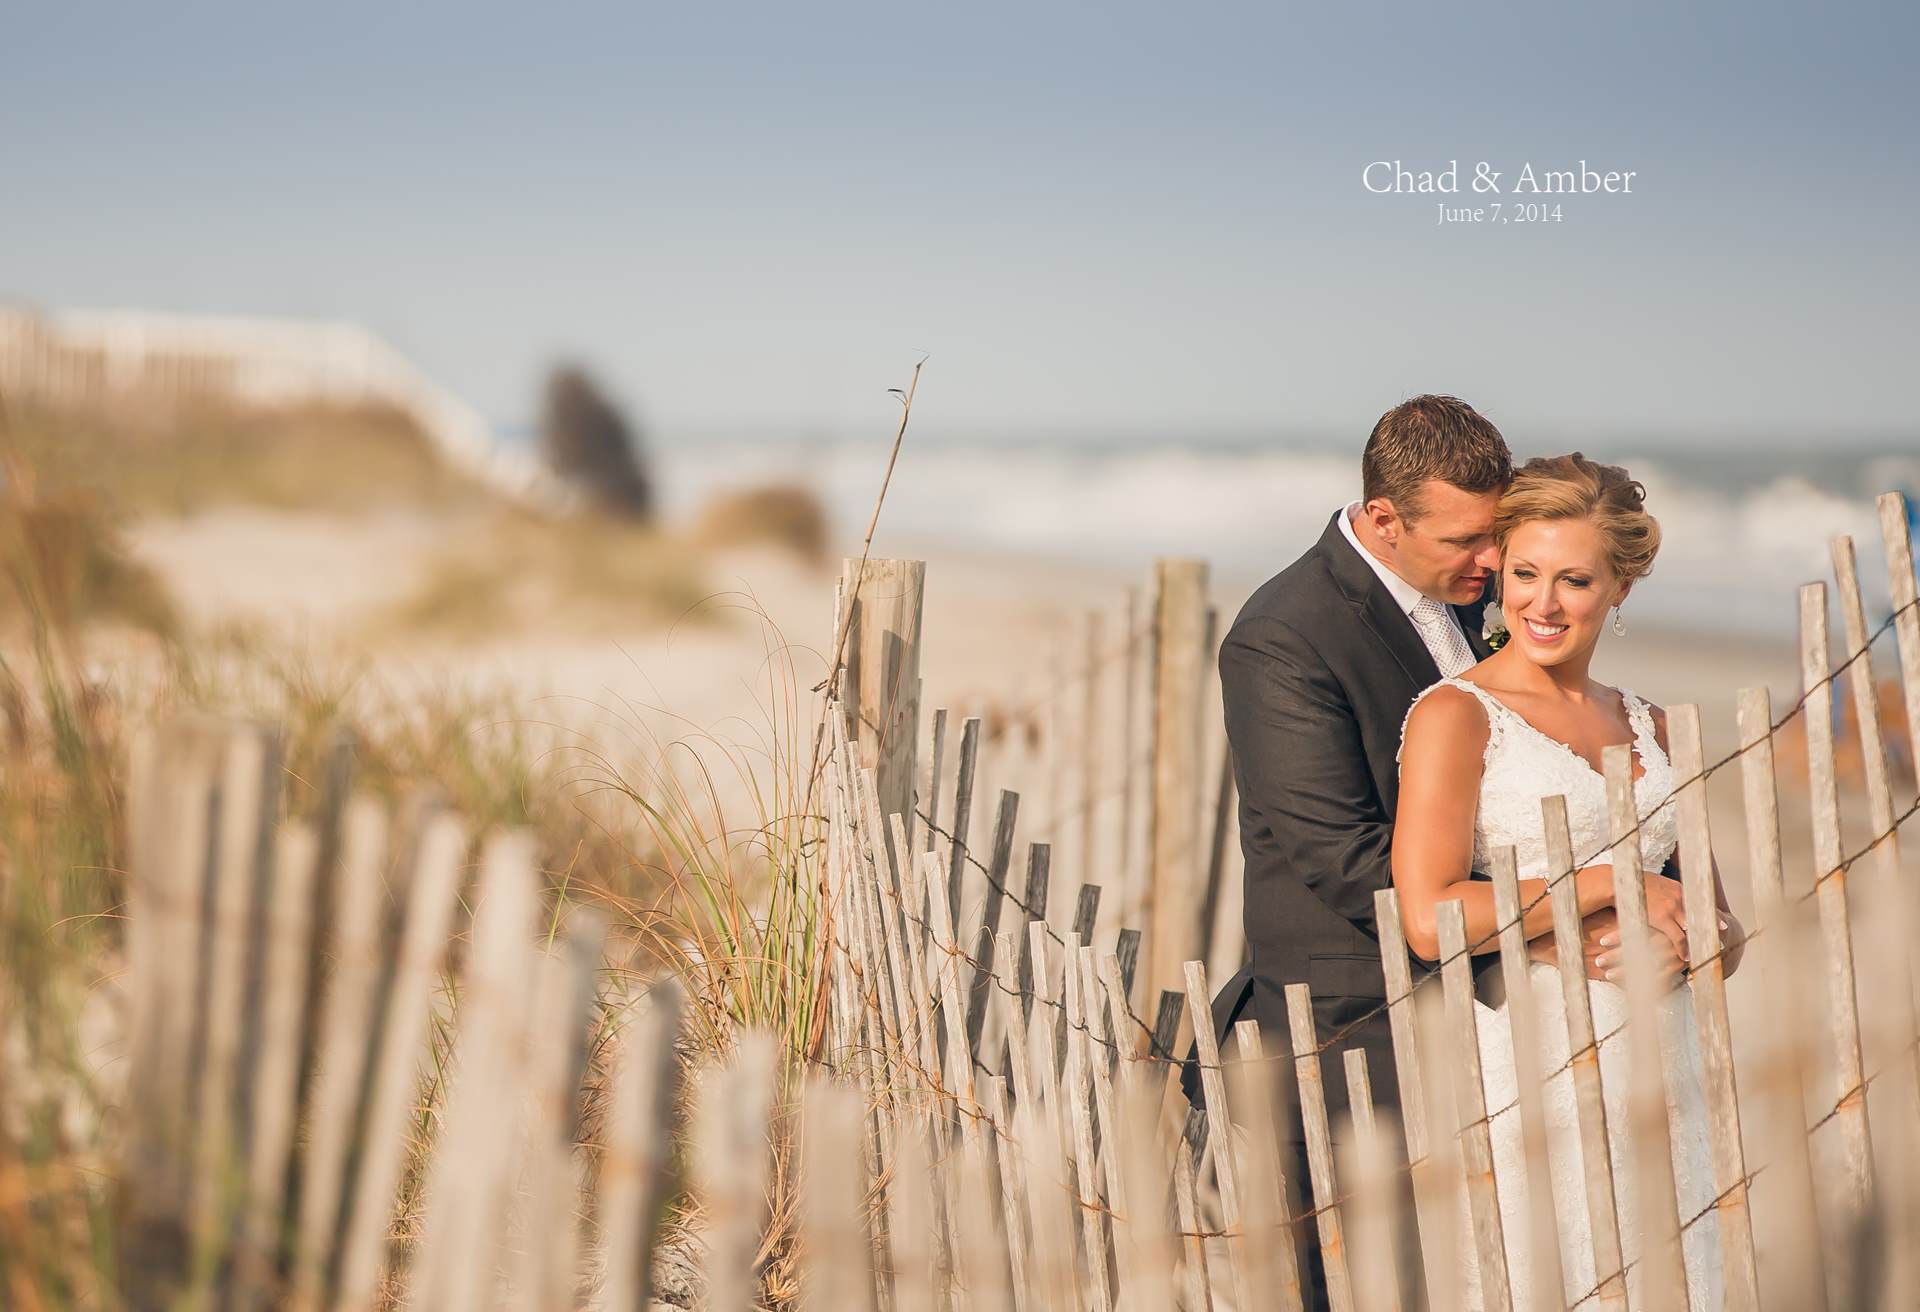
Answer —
1318 673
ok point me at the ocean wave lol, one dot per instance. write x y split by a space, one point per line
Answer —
1740 535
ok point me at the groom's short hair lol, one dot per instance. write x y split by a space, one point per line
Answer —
1432 437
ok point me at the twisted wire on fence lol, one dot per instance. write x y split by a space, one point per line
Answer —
1706 772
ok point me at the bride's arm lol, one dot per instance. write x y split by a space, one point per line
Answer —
1440 768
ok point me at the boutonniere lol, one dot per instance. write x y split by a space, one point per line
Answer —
1493 626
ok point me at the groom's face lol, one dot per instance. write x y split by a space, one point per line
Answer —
1447 551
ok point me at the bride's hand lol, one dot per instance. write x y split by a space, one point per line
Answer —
1668 965
1666 910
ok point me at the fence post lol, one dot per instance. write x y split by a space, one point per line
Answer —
1173 845
1853 1183
1470 1101
1709 990
882 657
1545 1280
1782 1085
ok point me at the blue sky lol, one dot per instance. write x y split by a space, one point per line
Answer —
1092 219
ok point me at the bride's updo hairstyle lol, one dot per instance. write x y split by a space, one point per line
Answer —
1574 487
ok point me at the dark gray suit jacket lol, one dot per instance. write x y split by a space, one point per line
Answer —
1318 673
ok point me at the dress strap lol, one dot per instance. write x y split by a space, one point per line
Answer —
1646 739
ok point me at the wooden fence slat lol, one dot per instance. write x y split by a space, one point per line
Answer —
396 1069
1126 948
1144 1234
1051 1202
932 794
1033 909
340 1085
1369 1163
1173 819
1089 742
169 860
1542 1283
276 1073
866 877
1328 1222
1454 1264
732 1166
1216 900
832 1230
1905 597
957 849
1093 1016
1120 1023
1709 989
1013 1184
1589 1101
1796 1265
1018 1067
1086 910
881 668
1272 1241
913 892
1893 911
981 1251
550 1257
1476 1144
1433 1199
1661 1278
1213 1086
634 1170
957 1068
884 888
1006 816
1852 1184
1088 1173
467 1173
1043 1034
249 799
1126 868
911 1224
1196 1282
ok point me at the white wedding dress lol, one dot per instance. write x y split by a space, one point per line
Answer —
1523 765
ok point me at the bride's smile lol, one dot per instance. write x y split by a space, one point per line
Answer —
1556 588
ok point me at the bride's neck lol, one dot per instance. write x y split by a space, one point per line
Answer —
1569 678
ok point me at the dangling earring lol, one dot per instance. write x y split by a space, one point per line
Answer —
1619 624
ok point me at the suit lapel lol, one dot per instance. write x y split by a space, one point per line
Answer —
1376 606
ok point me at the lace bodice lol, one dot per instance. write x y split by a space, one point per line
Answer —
1523 765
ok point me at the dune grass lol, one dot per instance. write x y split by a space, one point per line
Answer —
182 460
514 570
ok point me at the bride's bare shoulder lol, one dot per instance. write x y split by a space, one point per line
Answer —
1447 713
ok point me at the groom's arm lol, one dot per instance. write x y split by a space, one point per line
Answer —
1302 768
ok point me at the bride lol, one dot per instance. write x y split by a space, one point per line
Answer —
1478 753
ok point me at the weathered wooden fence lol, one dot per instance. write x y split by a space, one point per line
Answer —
94 360
990 1118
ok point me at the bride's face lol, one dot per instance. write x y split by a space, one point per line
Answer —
1556 587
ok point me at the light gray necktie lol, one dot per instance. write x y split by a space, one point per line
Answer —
1443 637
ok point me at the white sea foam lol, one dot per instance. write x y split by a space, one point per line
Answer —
1741 534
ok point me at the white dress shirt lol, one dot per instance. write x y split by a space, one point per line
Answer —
1404 594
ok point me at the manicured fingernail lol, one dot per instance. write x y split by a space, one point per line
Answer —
1613 976
1604 960
1609 940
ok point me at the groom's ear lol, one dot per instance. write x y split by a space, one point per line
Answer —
1385 519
